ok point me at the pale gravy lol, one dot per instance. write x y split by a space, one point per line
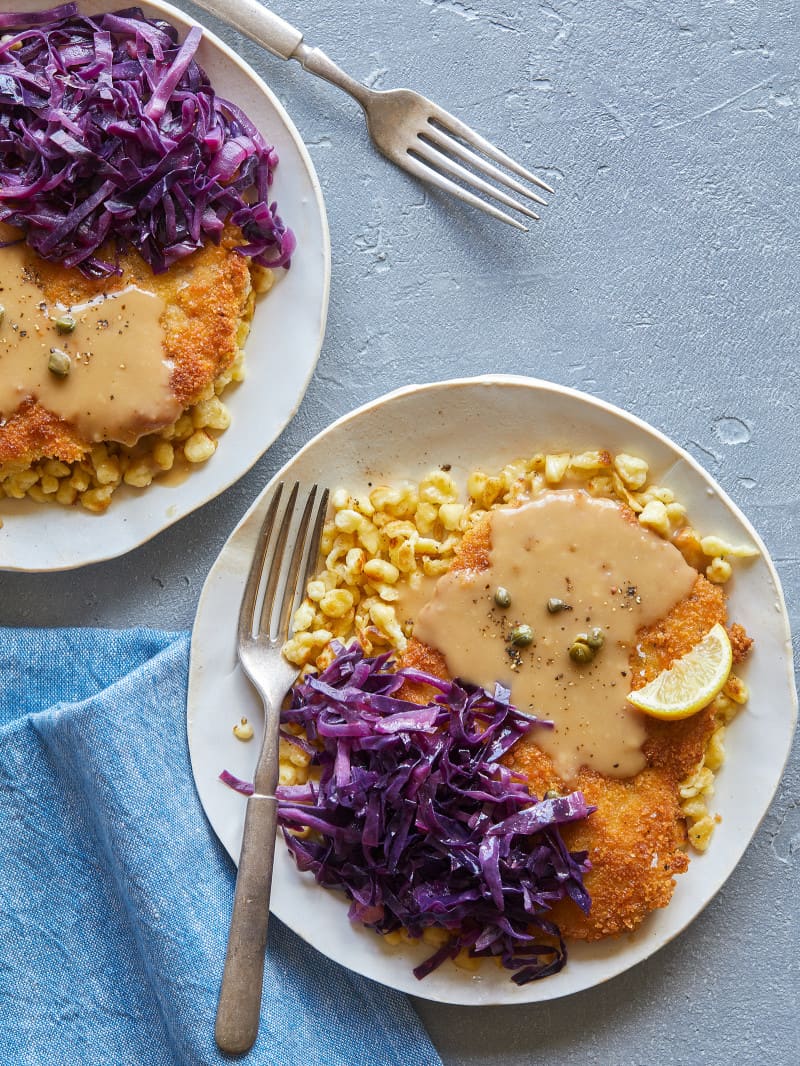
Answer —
611 572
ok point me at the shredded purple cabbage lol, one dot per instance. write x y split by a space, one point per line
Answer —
236 783
109 129
419 823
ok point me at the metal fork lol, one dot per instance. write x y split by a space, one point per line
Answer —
407 128
283 561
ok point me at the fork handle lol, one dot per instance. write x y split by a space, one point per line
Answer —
285 41
239 1006
257 22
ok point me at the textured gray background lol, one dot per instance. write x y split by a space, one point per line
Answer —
663 278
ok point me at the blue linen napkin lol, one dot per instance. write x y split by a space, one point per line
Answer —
114 892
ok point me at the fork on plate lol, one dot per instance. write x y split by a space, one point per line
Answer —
283 561
407 128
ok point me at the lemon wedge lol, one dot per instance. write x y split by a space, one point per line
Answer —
692 681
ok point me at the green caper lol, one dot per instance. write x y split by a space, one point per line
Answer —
551 794
59 363
65 324
596 638
521 636
554 605
580 652
502 597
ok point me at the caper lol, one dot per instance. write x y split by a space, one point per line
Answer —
521 636
502 597
596 638
65 324
581 653
554 605
551 794
59 363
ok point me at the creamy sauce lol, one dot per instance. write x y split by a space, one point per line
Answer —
118 385
611 573
413 597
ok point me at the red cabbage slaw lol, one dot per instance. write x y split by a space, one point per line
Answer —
109 129
419 823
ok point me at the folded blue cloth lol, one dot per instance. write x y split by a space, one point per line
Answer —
114 892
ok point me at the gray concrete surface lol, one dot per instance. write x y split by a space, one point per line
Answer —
663 278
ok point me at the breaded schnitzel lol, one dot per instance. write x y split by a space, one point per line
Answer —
636 837
205 297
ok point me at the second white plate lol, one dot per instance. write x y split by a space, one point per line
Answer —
282 350
486 422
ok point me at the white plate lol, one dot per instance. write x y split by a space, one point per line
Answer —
282 350
486 422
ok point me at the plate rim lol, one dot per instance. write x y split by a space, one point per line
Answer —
536 384
184 21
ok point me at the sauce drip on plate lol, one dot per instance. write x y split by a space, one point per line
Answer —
611 574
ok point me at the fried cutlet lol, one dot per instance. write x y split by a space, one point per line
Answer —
205 297
636 837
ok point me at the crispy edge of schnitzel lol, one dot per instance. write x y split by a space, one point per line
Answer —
636 838
206 298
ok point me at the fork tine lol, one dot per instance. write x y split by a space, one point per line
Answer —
301 548
452 125
439 161
313 548
248 609
273 562
454 147
415 165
